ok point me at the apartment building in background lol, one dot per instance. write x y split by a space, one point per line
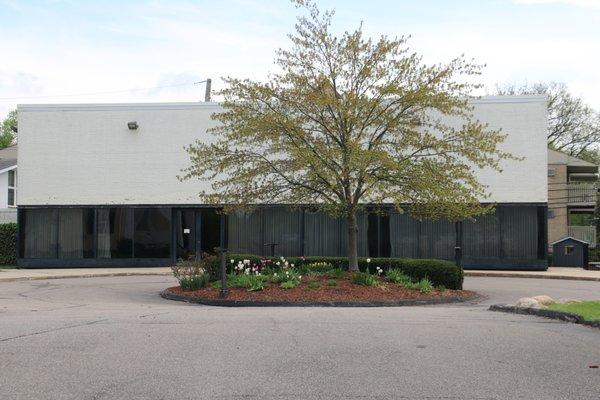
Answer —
572 194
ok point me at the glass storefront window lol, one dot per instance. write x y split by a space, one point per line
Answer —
152 236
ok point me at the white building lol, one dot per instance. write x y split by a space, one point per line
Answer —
94 191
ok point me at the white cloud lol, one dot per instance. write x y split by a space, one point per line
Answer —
578 3
165 43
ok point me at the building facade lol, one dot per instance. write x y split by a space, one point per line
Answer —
572 194
99 187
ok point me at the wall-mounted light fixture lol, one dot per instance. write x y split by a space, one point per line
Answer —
133 125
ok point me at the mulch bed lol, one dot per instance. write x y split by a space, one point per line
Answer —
344 291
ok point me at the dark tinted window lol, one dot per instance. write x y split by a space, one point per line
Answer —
115 232
210 230
11 197
75 233
39 231
152 236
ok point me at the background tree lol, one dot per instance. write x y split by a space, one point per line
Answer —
573 127
347 121
8 130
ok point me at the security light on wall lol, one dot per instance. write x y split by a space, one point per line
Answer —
133 125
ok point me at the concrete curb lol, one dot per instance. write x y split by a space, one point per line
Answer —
530 276
40 278
250 303
541 312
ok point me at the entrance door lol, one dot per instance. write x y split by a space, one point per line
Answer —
185 230
197 231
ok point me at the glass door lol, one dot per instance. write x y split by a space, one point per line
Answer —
185 230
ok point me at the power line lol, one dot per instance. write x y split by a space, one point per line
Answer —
105 92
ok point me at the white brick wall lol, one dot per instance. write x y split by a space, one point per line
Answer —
85 154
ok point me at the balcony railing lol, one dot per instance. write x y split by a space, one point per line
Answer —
585 233
582 193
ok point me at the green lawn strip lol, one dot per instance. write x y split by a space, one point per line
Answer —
588 310
7 267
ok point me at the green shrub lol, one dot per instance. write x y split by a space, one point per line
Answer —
255 283
396 275
362 278
191 274
319 266
336 273
194 283
8 244
331 282
287 275
289 284
439 272
313 285
423 286
246 281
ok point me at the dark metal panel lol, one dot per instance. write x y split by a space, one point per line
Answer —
282 226
481 237
244 232
404 236
323 235
437 239
520 232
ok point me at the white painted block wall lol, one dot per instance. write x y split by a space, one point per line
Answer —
86 155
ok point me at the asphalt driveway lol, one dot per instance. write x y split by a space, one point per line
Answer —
115 338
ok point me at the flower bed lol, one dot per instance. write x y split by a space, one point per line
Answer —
439 272
281 282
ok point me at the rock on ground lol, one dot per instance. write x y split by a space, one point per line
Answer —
528 302
544 300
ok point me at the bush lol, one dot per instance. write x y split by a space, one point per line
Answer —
363 278
289 284
336 273
439 272
319 266
191 274
396 275
195 282
8 244
331 282
423 286
313 285
252 282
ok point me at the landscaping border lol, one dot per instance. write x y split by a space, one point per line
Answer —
541 312
262 303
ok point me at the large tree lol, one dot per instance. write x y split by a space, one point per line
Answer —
8 129
573 126
347 121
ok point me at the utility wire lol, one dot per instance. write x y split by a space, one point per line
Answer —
105 92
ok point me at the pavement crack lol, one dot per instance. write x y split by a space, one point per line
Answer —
52 330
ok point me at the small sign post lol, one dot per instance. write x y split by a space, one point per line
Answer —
222 254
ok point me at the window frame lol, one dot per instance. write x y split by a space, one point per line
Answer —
569 249
12 187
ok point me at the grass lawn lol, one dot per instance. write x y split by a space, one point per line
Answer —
7 267
589 310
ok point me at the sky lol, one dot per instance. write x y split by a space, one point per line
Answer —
78 51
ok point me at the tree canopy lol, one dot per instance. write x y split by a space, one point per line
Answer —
346 121
8 134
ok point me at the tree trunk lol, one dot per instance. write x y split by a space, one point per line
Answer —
352 242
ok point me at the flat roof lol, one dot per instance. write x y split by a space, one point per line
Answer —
116 106
214 104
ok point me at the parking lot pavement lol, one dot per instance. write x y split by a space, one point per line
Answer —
115 338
